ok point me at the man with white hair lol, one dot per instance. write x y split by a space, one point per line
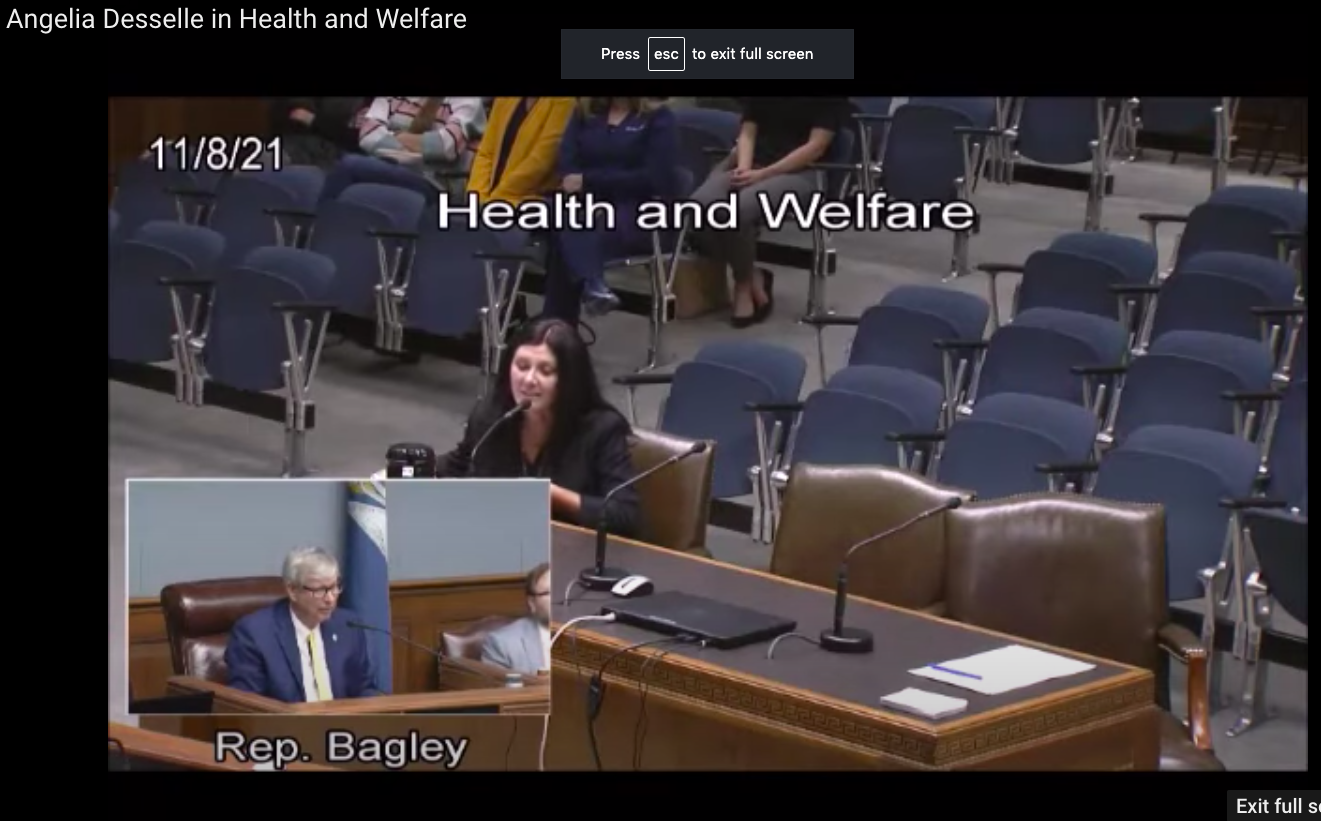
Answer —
303 649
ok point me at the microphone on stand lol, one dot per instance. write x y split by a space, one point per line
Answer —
496 425
600 577
841 639
358 625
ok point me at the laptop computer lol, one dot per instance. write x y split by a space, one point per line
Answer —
719 625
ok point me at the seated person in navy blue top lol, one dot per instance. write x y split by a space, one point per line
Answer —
302 649
620 150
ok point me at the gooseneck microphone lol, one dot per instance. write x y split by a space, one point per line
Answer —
496 425
841 639
374 629
600 577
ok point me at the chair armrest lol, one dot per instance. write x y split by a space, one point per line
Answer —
1135 289
1252 396
832 166
633 379
961 344
187 282
1276 312
774 407
1098 370
1298 173
977 132
826 320
385 233
1180 643
1067 467
292 213
1253 503
916 437
873 118
994 268
1157 219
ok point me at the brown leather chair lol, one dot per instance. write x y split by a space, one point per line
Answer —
199 616
676 502
1084 574
466 642
829 509
460 665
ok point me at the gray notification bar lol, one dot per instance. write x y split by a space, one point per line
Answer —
706 54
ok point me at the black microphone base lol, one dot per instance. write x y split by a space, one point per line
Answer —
602 578
847 640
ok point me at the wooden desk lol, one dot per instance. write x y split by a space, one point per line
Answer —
806 708
181 752
527 700
406 721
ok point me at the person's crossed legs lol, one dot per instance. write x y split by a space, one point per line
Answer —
753 295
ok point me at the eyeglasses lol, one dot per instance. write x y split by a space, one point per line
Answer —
323 592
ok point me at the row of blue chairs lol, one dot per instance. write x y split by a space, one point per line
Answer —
240 333
1058 142
1112 377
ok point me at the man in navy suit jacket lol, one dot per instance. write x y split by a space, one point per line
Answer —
302 648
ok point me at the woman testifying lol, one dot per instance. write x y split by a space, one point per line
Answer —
567 432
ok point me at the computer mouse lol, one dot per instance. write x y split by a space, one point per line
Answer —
630 587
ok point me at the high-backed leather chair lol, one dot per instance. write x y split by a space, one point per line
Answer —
199 616
466 642
1087 575
676 502
829 509
460 666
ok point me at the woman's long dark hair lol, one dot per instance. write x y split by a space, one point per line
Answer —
577 391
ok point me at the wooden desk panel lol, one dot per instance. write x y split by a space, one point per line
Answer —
181 752
683 733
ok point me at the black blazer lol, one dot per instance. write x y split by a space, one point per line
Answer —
595 459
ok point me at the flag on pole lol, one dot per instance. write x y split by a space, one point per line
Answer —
367 571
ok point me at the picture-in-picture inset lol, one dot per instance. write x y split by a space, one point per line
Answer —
293 597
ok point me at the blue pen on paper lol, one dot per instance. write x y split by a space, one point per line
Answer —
953 672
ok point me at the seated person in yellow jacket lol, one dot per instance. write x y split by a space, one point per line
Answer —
516 159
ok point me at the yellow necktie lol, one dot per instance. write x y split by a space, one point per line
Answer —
322 690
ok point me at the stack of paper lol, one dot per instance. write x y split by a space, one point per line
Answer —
922 703
1002 671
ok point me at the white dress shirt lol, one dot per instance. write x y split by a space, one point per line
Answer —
322 673
545 646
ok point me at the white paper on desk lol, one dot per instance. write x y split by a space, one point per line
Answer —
922 703
1004 670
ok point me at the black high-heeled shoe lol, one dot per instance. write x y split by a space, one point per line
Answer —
764 311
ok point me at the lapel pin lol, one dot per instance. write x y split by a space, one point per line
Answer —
334 637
